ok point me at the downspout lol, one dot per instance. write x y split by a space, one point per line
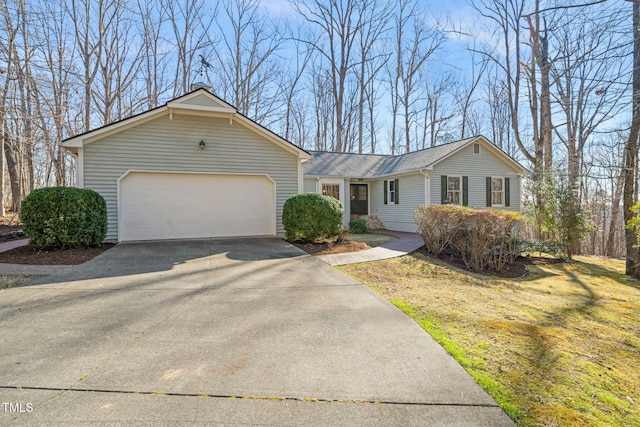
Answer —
427 186
80 168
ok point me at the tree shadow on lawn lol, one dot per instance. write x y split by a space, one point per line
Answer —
543 354
590 267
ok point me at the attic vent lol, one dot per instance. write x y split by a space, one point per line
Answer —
476 148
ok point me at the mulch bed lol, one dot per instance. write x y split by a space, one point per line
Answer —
9 228
32 255
515 270
325 248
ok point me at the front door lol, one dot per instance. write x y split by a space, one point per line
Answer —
359 199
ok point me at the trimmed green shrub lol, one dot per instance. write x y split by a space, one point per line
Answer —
358 226
311 217
482 238
62 217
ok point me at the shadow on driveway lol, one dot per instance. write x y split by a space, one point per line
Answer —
138 258
254 328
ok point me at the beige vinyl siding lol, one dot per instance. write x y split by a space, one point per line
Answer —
477 167
204 101
172 145
309 185
400 217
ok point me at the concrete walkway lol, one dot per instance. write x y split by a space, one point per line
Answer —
25 269
406 243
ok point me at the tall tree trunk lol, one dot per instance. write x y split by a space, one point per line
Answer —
2 145
615 218
546 127
631 153
14 177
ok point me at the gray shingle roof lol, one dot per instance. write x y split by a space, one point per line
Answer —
351 165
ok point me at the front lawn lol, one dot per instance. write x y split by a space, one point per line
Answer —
559 347
371 239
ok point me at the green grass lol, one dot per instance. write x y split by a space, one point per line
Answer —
7 281
558 347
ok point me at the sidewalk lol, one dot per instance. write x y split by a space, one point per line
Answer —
25 269
406 243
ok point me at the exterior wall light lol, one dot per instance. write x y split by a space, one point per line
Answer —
201 144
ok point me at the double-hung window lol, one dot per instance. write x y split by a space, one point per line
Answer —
391 192
454 190
497 191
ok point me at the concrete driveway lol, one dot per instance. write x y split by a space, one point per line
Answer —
221 332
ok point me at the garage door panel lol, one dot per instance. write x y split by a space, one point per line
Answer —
172 206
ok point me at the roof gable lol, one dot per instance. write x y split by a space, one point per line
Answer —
205 101
350 165
198 102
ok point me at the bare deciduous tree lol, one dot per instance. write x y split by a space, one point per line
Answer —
376 21
588 75
248 69
190 24
338 22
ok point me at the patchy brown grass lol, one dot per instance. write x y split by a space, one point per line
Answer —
9 281
346 243
560 347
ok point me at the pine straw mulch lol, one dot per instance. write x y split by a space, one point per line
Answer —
34 256
515 270
337 247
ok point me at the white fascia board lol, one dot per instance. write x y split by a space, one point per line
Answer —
86 138
200 108
273 137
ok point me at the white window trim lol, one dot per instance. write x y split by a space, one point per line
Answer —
391 200
501 205
330 181
460 191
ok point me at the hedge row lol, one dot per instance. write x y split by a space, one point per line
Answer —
482 238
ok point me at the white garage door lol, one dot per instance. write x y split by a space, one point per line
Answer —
157 205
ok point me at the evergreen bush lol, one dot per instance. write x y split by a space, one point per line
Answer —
62 217
311 217
358 226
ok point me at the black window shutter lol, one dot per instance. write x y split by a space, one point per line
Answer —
385 192
397 187
488 191
507 192
443 188
465 191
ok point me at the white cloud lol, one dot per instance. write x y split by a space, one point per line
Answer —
278 8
